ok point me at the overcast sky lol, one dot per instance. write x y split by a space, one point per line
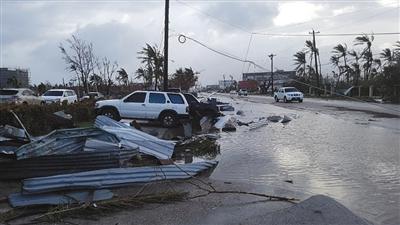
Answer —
31 32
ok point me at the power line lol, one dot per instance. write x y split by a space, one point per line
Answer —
322 34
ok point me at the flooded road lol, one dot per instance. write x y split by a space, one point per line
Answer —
345 155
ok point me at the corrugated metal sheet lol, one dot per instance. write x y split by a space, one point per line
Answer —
147 143
109 178
62 164
63 141
21 200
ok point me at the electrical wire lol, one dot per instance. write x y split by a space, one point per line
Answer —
325 35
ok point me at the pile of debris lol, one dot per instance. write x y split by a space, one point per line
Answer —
80 164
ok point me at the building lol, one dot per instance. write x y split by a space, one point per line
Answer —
280 77
223 84
249 85
10 78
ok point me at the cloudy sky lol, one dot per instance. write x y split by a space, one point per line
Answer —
31 32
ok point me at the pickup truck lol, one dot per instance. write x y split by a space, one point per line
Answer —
287 94
167 107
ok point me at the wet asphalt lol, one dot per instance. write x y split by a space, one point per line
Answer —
344 149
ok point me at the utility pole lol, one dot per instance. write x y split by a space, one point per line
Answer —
271 56
315 56
166 19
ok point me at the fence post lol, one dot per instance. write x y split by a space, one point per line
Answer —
371 91
359 91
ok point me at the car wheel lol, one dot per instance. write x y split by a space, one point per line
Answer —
25 103
301 100
276 99
285 100
168 119
42 103
111 113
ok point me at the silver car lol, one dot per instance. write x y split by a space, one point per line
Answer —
18 96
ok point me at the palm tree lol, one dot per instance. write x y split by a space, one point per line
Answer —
123 76
335 62
366 54
153 59
146 75
314 52
300 62
340 51
356 71
388 56
95 80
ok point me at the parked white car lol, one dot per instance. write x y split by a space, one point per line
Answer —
167 107
59 96
18 96
287 94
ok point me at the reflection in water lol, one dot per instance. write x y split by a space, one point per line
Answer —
321 154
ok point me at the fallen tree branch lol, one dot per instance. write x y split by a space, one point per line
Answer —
270 197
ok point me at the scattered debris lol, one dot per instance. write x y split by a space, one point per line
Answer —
105 157
203 146
62 114
147 143
274 119
226 123
116 177
240 113
226 108
60 142
259 123
11 132
289 181
286 119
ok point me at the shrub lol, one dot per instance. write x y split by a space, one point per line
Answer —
40 120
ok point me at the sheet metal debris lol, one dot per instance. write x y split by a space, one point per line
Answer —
147 143
22 200
65 141
111 178
11 169
258 123
10 132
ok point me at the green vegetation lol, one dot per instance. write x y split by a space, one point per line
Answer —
39 119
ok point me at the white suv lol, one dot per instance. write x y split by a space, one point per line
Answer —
18 96
288 94
167 107
59 96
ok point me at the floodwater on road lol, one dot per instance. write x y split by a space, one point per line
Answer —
355 163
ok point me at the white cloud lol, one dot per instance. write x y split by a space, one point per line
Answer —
296 12
347 9
389 3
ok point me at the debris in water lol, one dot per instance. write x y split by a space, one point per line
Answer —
274 119
286 119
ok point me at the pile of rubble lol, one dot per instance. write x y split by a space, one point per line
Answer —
82 164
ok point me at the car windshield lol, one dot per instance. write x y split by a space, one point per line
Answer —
190 98
53 93
291 90
8 92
